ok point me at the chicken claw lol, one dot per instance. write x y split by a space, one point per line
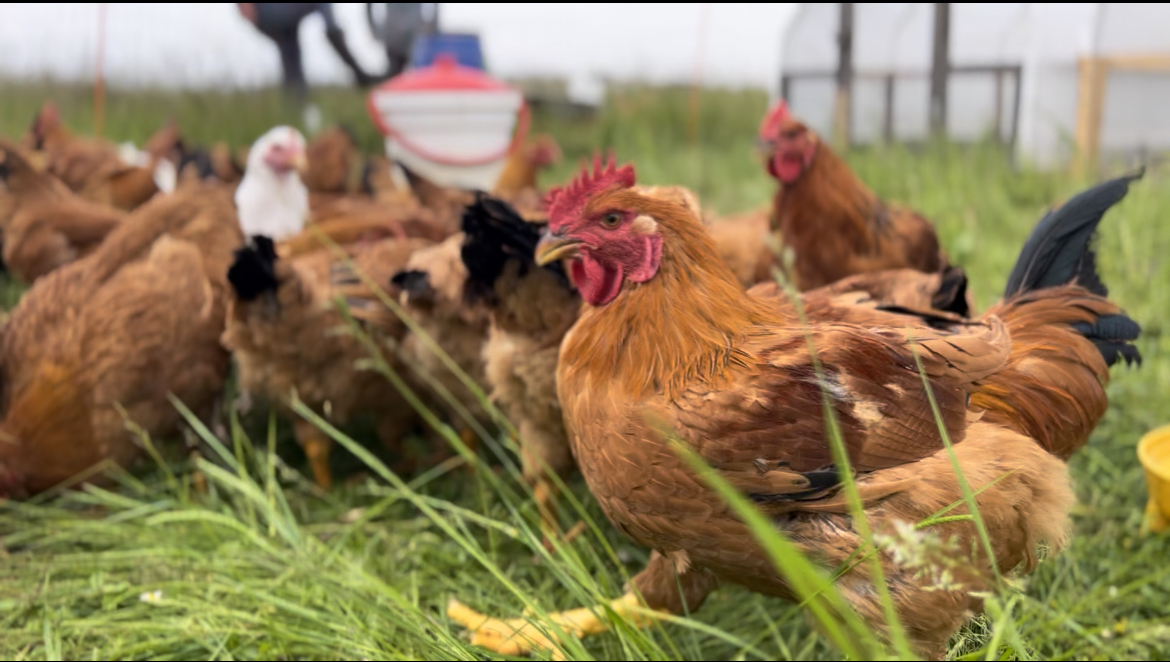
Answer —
522 636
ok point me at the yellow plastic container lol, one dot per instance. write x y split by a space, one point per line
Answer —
1154 453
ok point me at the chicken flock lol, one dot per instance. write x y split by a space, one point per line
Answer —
604 318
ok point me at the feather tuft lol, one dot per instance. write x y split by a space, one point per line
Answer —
254 270
495 234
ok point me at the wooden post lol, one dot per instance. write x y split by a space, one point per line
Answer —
999 106
939 69
888 125
1019 91
842 111
1090 98
99 79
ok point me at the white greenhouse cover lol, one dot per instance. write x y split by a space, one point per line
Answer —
1045 39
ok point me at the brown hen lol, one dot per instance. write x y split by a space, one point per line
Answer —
533 307
89 166
119 330
670 338
834 224
45 224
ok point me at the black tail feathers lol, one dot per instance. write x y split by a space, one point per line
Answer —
495 234
1059 252
254 270
1112 335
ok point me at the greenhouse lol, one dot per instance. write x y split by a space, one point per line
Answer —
1043 78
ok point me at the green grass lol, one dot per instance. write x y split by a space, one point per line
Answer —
266 567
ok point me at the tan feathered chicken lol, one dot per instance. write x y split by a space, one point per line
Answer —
670 338
45 225
286 335
117 331
433 291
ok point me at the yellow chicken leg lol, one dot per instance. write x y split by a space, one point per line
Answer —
317 447
520 636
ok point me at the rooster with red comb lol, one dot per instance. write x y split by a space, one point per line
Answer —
671 349
834 224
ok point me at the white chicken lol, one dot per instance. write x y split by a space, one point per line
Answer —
272 200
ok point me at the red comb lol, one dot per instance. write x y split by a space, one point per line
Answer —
777 115
565 202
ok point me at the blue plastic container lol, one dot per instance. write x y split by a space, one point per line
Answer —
465 48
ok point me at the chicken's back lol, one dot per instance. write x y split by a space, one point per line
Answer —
742 241
78 349
292 338
433 284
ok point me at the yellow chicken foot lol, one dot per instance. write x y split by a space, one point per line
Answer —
521 636
317 447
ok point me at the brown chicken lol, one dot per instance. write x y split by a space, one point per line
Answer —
45 225
116 332
335 165
286 334
90 167
835 226
670 339
433 285
517 181
533 307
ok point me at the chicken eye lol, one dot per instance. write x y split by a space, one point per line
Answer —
611 220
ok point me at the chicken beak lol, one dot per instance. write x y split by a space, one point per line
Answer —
300 163
553 247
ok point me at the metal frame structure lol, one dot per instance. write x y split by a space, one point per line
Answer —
999 71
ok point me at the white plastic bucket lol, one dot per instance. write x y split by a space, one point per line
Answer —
453 125
454 138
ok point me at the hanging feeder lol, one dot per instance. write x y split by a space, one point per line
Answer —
452 124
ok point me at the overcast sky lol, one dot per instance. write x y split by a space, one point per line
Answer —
190 45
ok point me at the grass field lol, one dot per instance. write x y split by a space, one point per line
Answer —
267 567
